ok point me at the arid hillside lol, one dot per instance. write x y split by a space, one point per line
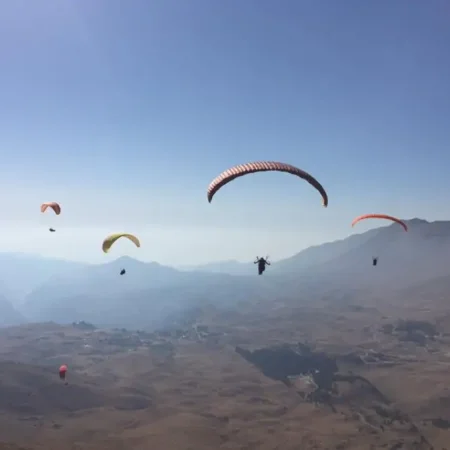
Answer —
332 375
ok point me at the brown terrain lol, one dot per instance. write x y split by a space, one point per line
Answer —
273 375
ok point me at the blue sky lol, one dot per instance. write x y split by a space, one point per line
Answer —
124 112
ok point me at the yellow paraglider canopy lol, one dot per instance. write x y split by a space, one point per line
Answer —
109 241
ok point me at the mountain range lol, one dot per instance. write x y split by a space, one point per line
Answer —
34 288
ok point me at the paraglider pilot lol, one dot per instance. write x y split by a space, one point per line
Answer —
261 264
374 260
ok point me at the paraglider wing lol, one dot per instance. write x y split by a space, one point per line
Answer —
62 372
53 205
263 166
109 241
379 216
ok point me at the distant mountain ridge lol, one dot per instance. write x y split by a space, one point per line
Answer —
65 291
419 254
231 266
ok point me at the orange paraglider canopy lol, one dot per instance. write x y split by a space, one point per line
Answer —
379 216
53 205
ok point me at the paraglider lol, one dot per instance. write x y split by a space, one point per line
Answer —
109 241
262 262
379 216
263 166
62 372
55 207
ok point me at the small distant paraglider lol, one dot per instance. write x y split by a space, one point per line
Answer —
109 241
379 216
62 373
52 205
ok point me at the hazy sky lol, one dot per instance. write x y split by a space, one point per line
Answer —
123 111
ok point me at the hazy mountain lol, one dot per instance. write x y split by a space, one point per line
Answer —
20 273
8 314
404 257
231 267
320 254
149 291
143 297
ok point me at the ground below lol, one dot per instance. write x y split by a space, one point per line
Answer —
333 375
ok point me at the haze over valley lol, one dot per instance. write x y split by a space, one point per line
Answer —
324 338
